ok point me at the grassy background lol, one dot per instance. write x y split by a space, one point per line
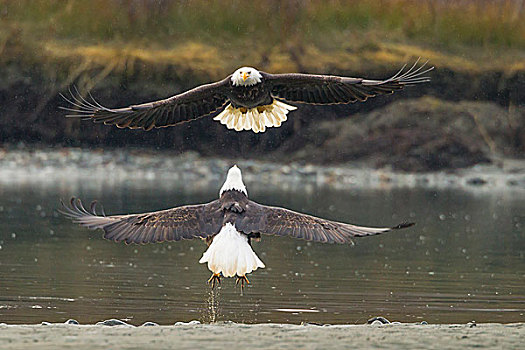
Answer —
278 35
441 23
184 43
130 51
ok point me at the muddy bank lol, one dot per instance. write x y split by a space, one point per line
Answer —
263 336
424 134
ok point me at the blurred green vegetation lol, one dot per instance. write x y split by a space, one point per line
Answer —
443 23
197 41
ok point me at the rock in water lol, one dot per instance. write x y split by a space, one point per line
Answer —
113 322
71 321
378 320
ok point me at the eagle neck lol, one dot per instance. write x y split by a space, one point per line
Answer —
233 182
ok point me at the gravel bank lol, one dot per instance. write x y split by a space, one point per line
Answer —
118 165
263 336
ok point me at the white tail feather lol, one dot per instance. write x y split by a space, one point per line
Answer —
255 119
230 254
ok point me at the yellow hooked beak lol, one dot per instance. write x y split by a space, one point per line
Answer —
244 76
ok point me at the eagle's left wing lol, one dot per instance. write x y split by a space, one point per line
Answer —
331 89
190 105
283 222
186 222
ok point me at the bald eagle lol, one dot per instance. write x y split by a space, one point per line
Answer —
227 224
247 100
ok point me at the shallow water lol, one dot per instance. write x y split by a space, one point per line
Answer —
463 261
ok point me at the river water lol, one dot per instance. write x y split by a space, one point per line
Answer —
463 261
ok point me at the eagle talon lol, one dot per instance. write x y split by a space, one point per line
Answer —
214 279
243 279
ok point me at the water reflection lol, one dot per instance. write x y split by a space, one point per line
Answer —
463 261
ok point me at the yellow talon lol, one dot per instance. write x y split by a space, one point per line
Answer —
215 279
242 279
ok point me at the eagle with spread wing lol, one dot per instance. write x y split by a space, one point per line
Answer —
228 225
247 100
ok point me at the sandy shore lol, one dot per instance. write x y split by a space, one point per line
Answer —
263 336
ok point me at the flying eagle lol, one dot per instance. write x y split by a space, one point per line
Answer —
249 99
228 225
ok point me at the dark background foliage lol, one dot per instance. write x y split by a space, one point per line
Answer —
127 52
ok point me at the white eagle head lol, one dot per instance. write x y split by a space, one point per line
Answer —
246 76
233 181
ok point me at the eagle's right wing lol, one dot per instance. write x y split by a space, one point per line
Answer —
331 89
190 105
283 222
174 224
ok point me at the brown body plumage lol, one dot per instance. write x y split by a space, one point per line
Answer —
228 225
205 221
250 93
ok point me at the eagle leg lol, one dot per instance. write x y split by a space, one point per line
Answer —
243 279
214 279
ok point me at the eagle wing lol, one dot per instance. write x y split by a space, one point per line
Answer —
174 224
330 89
283 222
190 105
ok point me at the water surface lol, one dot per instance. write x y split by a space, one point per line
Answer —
463 261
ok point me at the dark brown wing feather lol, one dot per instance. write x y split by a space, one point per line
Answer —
330 89
283 222
190 105
185 222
